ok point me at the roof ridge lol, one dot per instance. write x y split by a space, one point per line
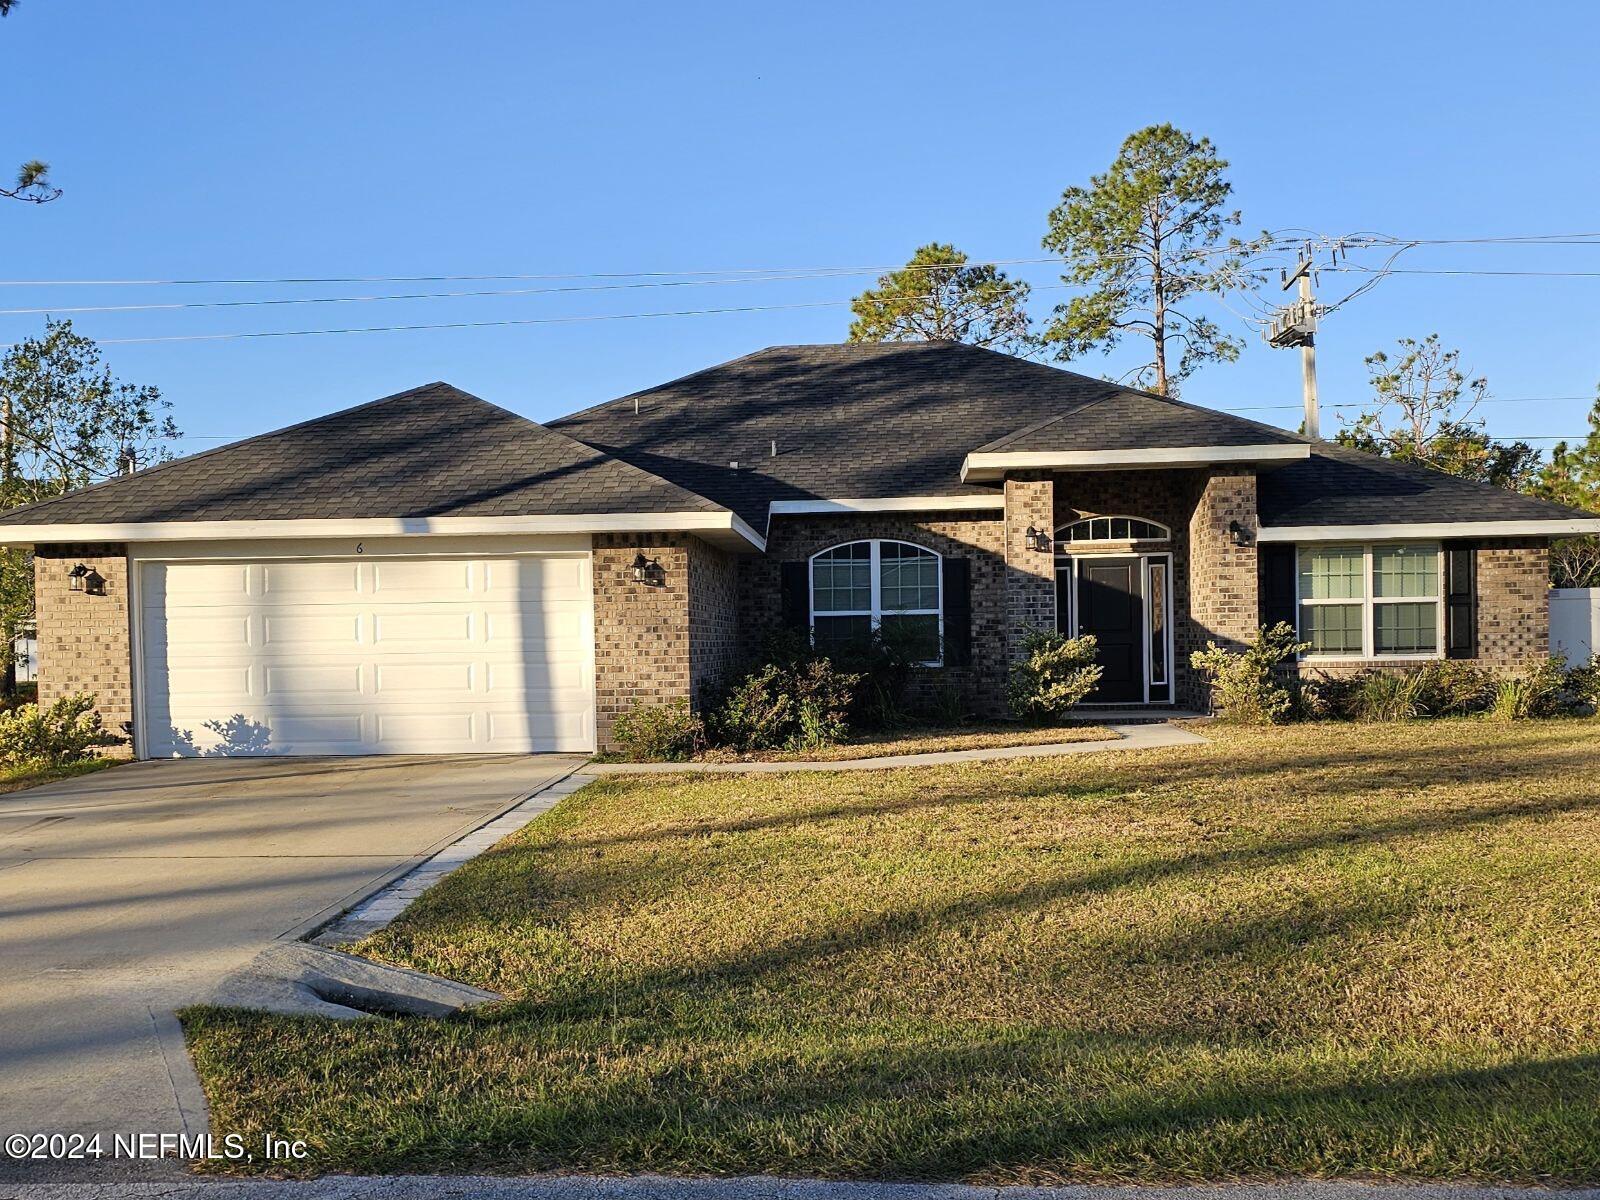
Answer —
604 404
1000 443
187 459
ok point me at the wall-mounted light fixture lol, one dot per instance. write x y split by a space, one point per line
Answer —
1238 534
648 571
1037 539
87 580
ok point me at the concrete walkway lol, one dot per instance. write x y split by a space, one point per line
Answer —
646 1187
1144 736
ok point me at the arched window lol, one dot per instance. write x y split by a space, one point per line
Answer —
876 584
1113 529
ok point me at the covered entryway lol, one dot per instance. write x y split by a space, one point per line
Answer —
1110 608
1114 581
365 654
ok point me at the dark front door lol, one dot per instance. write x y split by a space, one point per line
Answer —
1110 608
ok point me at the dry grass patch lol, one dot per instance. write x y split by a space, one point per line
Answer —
20 778
1320 950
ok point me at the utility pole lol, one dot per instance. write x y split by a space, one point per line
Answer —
1295 324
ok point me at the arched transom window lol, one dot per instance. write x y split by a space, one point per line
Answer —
877 584
1113 529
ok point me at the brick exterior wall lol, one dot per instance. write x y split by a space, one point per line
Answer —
1513 601
1224 590
977 537
1030 573
84 640
1513 612
713 619
641 631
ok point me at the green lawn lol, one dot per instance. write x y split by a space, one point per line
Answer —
1320 950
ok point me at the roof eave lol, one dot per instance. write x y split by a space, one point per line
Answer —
1542 527
722 528
980 466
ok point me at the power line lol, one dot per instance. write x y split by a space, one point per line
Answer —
752 272
638 316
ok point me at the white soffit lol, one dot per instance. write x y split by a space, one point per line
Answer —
978 468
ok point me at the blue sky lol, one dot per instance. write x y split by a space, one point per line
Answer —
205 140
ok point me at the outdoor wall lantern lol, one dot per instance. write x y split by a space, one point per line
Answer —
648 570
1037 539
1238 534
87 580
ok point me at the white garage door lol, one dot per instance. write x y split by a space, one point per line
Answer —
367 656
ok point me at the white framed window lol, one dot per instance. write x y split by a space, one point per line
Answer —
879 584
1113 529
1371 600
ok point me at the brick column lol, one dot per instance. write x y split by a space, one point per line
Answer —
641 630
1513 601
1030 574
1224 602
84 640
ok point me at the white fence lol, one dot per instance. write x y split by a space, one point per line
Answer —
1575 623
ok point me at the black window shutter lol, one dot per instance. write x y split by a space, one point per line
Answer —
957 612
1460 600
1277 584
796 593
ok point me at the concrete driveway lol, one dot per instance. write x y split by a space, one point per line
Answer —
128 894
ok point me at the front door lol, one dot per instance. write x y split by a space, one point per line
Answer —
1110 607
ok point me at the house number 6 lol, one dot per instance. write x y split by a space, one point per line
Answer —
360 549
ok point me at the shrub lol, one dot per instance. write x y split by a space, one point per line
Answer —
1054 675
801 705
1583 686
1537 692
659 732
1388 696
64 733
1454 689
1245 682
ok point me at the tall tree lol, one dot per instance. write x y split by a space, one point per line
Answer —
1423 410
65 421
937 297
1572 476
33 177
1147 239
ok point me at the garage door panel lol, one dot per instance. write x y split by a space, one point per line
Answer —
562 625
421 630
309 580
512 733
353 657
300 631
400 679
210 681
562 581
199 584
444 580
293 679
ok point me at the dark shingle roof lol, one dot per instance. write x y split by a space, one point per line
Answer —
1124 420
429 452
1336 486
870 420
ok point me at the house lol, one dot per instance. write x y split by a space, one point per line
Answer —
431 573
